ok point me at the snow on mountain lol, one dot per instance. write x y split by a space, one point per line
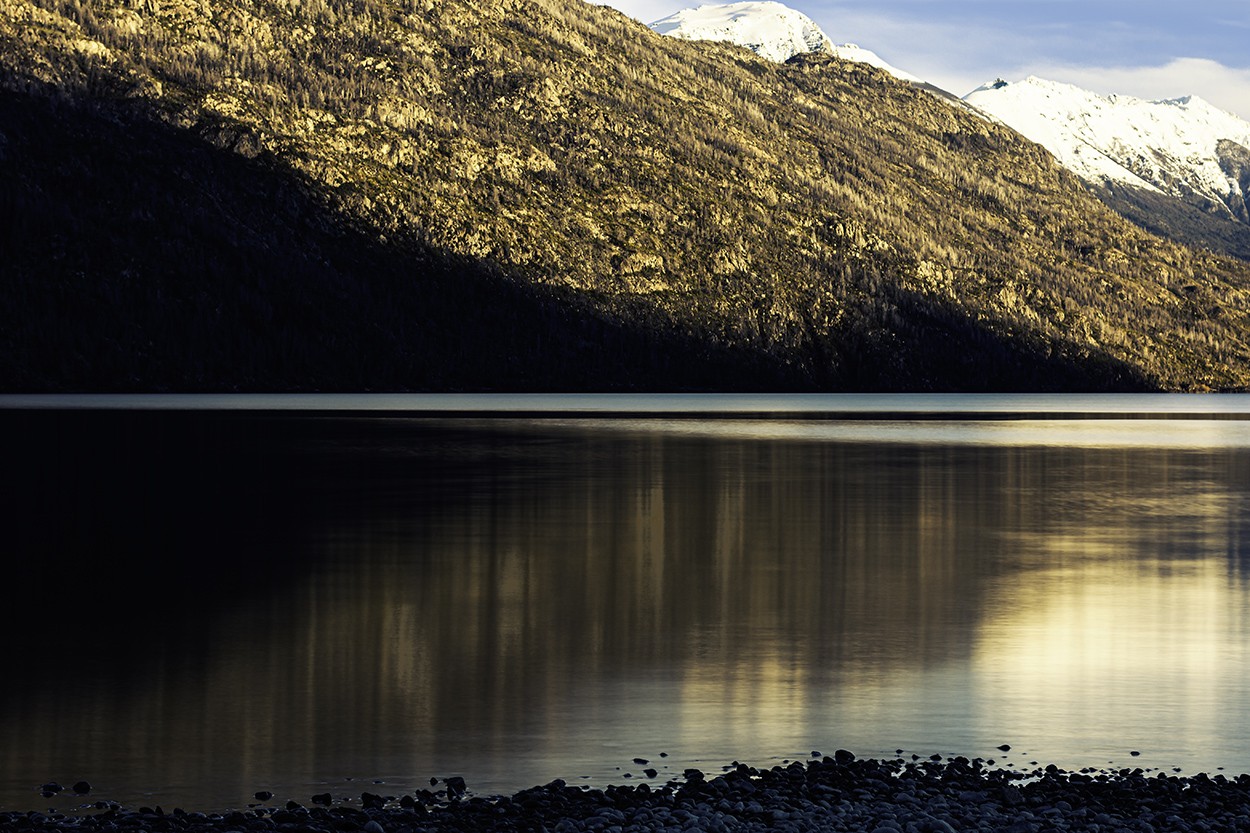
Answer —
1181 147
770 29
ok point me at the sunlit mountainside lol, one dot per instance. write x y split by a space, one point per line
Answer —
1177 167
546 194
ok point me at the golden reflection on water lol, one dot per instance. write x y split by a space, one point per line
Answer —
520 603
1115 634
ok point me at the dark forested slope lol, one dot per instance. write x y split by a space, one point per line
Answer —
544 194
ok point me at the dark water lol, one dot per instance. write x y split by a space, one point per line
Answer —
201 605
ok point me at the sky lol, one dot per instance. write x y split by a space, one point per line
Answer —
1142 48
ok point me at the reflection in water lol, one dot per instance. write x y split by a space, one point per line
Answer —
520 601
1130 622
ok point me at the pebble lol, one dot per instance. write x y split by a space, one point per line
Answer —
456 786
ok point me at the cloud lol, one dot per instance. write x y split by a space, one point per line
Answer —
1226 87
958 45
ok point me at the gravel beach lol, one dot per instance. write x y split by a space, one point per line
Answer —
827 793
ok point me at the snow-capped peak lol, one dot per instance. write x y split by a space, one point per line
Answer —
770 29
1177 146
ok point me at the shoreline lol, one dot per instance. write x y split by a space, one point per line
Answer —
830 793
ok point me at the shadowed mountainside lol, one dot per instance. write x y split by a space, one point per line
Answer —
543 194
1177 220
145 256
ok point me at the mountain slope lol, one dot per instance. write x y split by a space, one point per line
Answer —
769 29
544 194
1182 148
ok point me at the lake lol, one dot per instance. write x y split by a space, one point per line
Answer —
210 596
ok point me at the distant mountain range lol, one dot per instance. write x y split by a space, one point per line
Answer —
548 195
1180 167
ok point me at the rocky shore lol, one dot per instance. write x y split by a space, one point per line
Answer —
827 793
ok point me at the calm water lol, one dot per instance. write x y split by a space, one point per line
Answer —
203 604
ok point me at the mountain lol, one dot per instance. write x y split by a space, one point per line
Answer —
1179 167
769 29
546 195
1139 153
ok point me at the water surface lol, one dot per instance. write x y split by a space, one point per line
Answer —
202 605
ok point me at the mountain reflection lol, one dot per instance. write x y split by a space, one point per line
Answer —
517 602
